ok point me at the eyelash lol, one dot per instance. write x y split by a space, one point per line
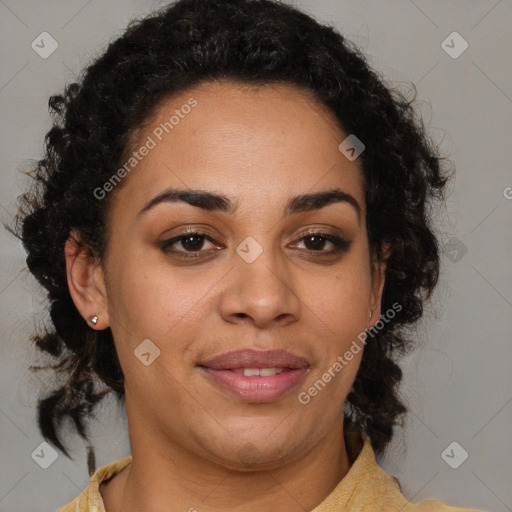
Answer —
340 244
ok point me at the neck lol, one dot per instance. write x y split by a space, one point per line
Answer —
175 479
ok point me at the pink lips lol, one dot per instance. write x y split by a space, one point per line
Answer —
262 389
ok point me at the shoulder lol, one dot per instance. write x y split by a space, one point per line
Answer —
367 487
394 500
90 500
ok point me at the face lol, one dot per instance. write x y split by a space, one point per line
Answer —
269 280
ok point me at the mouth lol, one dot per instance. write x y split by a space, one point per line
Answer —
256 376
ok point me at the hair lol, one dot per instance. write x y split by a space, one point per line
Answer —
251 42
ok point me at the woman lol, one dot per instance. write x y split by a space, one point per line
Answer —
232 226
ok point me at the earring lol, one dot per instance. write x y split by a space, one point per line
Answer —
94 320
369 316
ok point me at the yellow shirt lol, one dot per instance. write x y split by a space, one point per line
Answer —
365 488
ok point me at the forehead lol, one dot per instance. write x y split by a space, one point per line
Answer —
255 144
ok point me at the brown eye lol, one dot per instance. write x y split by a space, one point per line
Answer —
190 243
315 242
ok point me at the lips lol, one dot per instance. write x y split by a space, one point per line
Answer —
256 376
256 359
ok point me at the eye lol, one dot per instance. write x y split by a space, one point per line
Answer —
315 241
191 242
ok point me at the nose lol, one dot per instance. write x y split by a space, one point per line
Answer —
261 293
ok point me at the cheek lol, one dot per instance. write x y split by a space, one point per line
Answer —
340 310
341 300
150 303
156 301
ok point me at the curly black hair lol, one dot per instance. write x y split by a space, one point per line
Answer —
251 42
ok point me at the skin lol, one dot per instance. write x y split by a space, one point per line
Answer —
258 146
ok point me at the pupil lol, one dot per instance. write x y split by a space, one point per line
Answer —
188 245
320 241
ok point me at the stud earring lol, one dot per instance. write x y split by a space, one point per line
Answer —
94 320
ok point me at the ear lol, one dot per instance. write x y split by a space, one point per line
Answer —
86 281
379 276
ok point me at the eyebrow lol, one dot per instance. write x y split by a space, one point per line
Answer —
216 202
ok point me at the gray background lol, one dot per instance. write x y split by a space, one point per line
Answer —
457 383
